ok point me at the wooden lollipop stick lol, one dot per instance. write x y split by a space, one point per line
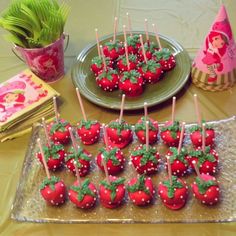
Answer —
127 56
75 146
124 31
43 158
106 170
105 136
169 169
196 169
129 24
143 49
203 137
199 119
97 40
146 30
46 132
55 109
115 29
103 58
173 110
74 143
147 136
77 174
145 111
122 108
181 137
81 104
157 36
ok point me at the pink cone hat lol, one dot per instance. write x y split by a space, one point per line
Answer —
215 62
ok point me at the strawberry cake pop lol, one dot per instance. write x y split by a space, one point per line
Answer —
140 128
205 188
141 190
119 131
173 191
52 189
170 132
54 154
87 130
58 129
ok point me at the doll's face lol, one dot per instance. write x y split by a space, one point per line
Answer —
11 97
218 42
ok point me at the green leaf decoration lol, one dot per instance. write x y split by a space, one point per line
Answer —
181 156
77 156
173 128
119 126
203 156
203 185
146 155
171 188
52 151
139 186
113 45
49 182
60 126
131 75
164 54
107 74
33 23
83 190
151 47
86 124
133 40
132 58
110 155
142 126
199 128
151 66
99 62
113 186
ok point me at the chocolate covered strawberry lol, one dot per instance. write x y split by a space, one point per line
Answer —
206 189
82 158
133 44
59 131
170 133
112 194
145 161
173 196
196 135
140 130
207 161
165 58
150 71
83 196
88 131
97 64
141 191
122 63
119 133
131 83
113 158
113 50
54 156
178 161
53 190
108 80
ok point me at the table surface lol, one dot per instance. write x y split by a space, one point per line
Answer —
84 17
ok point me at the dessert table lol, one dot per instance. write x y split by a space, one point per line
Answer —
84 17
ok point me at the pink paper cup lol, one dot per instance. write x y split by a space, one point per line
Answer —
47 62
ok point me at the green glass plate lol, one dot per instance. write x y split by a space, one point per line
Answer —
172 82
